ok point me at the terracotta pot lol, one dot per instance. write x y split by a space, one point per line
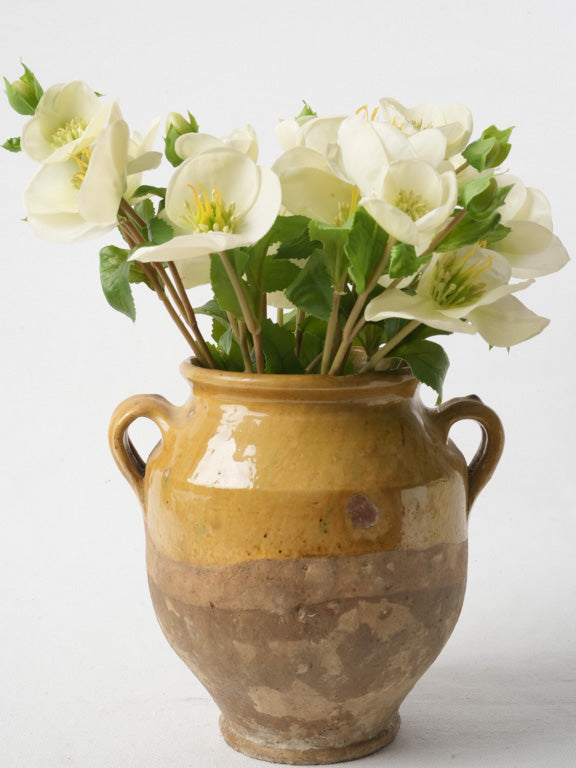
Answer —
306 547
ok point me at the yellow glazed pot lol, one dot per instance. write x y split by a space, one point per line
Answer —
306 547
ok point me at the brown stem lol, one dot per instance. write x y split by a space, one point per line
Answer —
252 323
151 274
239 331
190 315
448 228
390 345
348 332
331 328
300 315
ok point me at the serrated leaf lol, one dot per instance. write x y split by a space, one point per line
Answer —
278 274
145 209
403 261
222 288
288 227
278 347
364 247
311 290
115 280
159 231
469 231
427 360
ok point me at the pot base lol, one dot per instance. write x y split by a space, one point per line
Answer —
241 741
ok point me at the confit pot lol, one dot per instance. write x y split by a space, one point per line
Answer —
306 547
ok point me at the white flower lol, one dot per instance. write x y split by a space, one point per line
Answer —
365 148
79 197
216 200
68 118
308 131
310 187
465 291
413 201
141 157
242 139
531 247
454 121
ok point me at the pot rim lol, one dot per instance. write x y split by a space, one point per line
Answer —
400 383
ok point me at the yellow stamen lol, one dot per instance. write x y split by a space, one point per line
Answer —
210 214
366 114
82 159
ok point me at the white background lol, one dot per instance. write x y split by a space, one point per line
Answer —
86 678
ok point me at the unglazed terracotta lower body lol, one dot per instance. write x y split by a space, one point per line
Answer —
309 659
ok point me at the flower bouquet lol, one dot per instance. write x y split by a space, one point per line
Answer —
370 234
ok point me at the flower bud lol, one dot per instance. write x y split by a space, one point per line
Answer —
176 126
25 93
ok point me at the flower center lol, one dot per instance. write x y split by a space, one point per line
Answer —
82 159
456 278
345 210
209 213
411 203
71 131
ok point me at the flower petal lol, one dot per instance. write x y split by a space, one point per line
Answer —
507 322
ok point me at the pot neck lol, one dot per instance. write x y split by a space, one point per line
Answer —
393 385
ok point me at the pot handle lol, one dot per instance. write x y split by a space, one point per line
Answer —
488 455
130 463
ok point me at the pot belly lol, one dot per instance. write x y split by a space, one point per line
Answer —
309 659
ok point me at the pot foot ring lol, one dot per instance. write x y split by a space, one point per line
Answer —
276 752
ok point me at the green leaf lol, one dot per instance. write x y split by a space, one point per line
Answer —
364 247
115 279
222 288
428 361
288 227
145 209
297 248
212 309
278 274
159 231
490 150
147 189
311 290
469 231
403 261
12 145
278 347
